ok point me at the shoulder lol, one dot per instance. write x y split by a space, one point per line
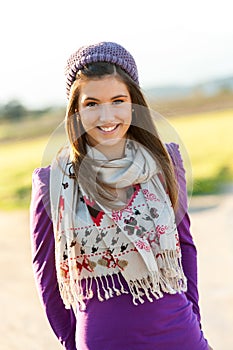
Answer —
177 160
40 177
174 152
40 189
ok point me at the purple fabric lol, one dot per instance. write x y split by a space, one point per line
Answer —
188 248
172 322
61 320
100 52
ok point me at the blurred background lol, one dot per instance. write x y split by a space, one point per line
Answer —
184 54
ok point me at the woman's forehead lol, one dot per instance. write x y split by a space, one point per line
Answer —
106 87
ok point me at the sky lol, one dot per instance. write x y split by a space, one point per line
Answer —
173 42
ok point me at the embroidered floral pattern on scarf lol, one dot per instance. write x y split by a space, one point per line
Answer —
138 243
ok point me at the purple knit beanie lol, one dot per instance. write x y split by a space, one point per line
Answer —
100 52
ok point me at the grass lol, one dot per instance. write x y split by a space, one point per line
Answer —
18 160
30 127
209 143
207 138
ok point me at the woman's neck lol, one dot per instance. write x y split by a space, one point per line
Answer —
114 151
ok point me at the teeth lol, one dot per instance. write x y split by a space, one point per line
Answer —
108 129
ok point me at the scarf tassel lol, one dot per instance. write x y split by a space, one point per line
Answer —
144 287
169 279
172 278
66 294
80 291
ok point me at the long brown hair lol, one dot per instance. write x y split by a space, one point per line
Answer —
142 128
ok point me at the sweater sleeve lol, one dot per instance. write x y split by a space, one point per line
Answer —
188 248
62 321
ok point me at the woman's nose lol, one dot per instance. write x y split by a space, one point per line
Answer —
106 113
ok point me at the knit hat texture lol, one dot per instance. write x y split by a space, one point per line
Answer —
101 52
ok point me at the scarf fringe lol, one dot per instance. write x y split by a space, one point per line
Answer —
169 279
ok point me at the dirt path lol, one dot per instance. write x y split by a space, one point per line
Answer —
212 228
24 325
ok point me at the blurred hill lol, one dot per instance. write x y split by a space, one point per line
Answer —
208 88
173 100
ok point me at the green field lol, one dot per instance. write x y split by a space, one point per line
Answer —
18 159
207 138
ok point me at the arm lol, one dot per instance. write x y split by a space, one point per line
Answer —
62 321
188 248
189 263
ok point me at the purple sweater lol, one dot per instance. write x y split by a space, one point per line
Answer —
172 322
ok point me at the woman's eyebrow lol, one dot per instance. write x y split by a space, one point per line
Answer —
112 98
118 96
91 98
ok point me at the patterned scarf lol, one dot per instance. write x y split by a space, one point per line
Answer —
137 244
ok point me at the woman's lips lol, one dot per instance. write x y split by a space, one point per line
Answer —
108 129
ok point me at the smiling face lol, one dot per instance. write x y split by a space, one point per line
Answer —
106 113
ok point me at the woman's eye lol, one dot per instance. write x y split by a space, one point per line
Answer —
116 102
91 104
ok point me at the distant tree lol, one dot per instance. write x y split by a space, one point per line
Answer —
13 110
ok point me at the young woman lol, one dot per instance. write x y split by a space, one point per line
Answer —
113 256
